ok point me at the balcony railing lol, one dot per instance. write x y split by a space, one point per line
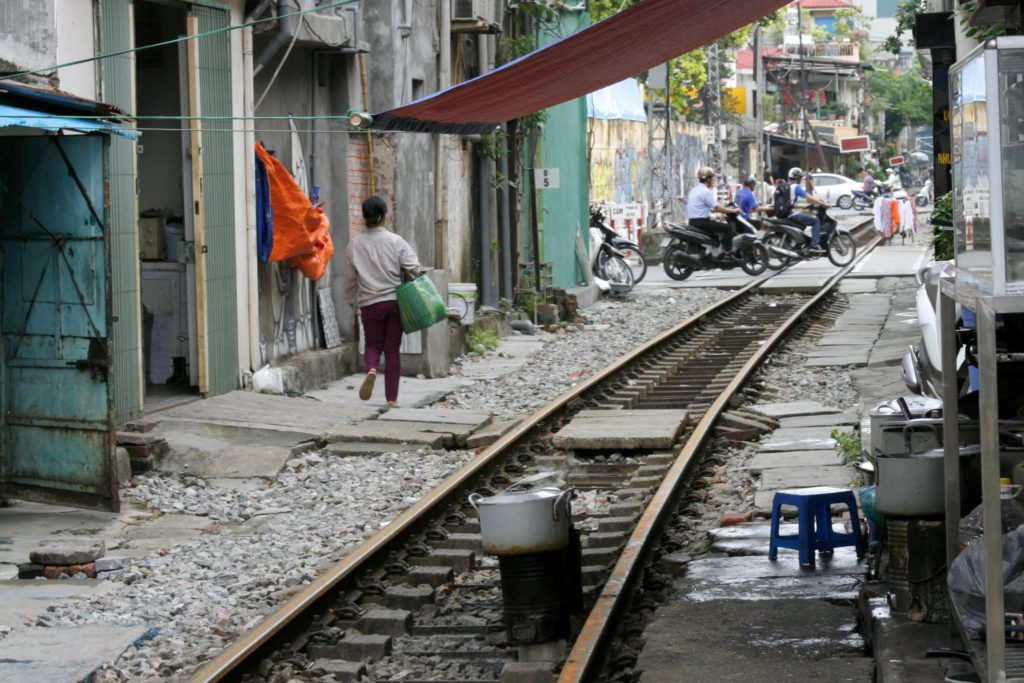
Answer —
850 51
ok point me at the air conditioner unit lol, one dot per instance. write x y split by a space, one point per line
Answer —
484 14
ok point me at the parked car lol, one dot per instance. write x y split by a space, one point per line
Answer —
835 189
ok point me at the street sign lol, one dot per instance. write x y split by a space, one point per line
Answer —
896 161
858 143
545 178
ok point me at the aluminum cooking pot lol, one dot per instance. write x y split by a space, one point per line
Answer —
524 522
914 485
912 407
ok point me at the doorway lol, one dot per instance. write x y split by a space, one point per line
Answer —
167 263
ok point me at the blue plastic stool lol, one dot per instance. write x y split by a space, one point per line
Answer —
814 516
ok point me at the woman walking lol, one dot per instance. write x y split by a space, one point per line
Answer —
376 260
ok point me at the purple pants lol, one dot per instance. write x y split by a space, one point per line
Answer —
382 328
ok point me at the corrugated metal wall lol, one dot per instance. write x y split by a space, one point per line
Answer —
117 75
564 212
218 190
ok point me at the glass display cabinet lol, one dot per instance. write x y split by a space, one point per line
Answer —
987 122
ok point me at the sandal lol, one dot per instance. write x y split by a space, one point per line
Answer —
366 390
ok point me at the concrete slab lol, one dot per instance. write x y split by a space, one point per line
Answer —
792 459
785 641
412 393
847 339
804 443
62 654
266 411
439 415
608 429
192 445
246 461
384 432
24 524
792 409
490 433
892 261
794 477
453 433
24 601
825 420
857 352
366 448
837 361
848 286
758 578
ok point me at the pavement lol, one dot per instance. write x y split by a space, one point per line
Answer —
736 612
243 437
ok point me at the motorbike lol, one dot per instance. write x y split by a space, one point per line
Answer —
921 367
611 272
924 195
787 241
688 248
628 249
865 200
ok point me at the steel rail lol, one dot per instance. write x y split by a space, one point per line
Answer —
586 653
238 653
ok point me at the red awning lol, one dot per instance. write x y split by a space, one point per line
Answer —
621 46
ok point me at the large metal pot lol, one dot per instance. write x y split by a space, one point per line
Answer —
524 522
914 485
913 407
919 435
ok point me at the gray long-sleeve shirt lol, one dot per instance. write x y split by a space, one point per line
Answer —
375 262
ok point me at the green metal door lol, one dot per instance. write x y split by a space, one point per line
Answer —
56 414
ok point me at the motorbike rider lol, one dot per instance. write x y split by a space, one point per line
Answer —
701 202
797 192
747 201
893 182
869 183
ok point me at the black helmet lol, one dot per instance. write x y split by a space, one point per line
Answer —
751 180
796 173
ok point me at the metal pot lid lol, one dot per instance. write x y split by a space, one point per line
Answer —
919 405
519 497
965 452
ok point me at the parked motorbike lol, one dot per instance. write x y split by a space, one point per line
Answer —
609 266
787 241
688 248
922 365
628 249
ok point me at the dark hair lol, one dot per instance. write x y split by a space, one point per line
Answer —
374 210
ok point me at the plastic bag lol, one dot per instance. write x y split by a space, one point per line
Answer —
419 304
967 581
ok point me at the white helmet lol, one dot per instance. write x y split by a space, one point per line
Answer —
796 173
704 173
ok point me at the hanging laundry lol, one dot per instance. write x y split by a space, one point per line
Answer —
264 213
894 211
302 233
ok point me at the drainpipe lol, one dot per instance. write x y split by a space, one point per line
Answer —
484 168
285 31
503 222
249 138
441 141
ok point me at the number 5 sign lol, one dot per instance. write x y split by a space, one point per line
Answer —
545 178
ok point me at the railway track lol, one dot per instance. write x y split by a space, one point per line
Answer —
420 601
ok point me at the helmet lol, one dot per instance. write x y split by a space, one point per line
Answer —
704 173
751 180
795 173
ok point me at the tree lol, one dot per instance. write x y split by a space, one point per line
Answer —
905 97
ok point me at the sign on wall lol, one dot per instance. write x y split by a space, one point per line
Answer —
546 178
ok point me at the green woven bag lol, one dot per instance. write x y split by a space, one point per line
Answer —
419 304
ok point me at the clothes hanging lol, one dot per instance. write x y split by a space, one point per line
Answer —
908 224
894 211
264 213
302 233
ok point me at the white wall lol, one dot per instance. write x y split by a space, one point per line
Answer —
28 34
76 38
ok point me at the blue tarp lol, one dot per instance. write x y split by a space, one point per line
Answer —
622 100
16 116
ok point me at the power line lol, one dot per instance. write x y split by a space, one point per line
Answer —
175 41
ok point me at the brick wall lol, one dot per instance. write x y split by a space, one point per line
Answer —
358 163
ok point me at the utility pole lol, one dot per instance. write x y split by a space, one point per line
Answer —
759 86
662 178
806 127
715 119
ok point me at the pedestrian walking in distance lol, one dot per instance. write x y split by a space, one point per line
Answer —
376 260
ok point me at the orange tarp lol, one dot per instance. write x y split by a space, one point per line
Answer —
302 233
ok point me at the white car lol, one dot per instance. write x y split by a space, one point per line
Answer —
835 189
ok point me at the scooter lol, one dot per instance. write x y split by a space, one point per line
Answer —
921 367
924 195
611 272
689 248
628 249
864 200
788 241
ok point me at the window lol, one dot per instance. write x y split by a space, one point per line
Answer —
826 23
825 180
886 8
